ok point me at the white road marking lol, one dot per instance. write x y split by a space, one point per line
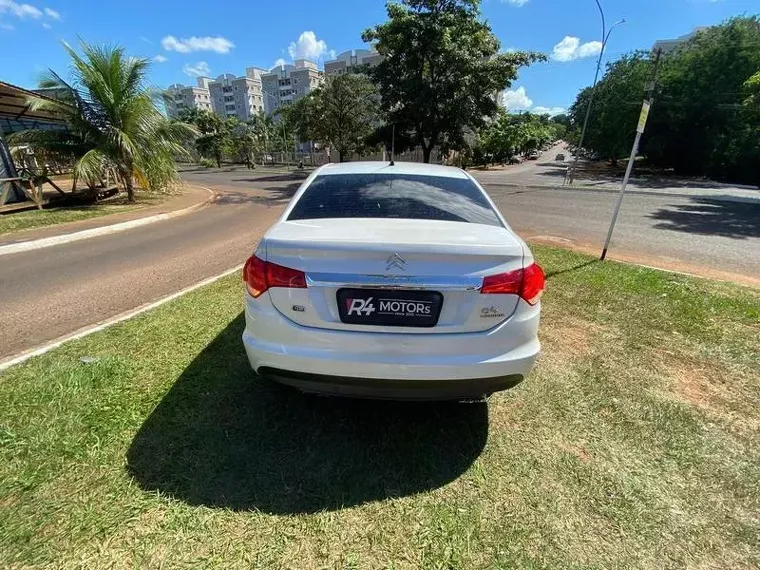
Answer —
26 355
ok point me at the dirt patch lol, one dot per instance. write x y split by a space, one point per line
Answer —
575 336
577 450
697 383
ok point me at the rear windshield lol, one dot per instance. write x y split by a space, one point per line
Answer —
394 196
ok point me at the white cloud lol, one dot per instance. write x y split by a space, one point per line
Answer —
46 25
4 26
571 48
193 43
19 10
517 3
200 68
516 100
279 62
146 40
160 58
590 48
309 47
540 110
52 13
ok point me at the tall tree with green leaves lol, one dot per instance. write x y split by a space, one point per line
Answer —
214 133
617 103
701 122
441 71
511 134
752 95
698 125
341 114
113 120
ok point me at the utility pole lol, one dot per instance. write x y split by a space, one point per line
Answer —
635 150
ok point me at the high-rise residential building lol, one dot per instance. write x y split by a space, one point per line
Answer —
668 46
227 95
239 97
349 59
287 83
178 97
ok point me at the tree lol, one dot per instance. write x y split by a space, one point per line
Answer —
514 134
215 134
246 143
752 93
699 125
561 125
617 102
702 121
341 115
113 120
441 70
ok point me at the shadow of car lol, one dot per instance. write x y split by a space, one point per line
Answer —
222 437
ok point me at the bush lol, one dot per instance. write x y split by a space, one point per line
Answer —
207 163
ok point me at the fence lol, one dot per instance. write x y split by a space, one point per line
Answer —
318 158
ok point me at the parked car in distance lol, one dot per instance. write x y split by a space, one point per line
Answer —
560 157
533 155
398 281
515 160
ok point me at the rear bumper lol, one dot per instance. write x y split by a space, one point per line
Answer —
429 366
391 389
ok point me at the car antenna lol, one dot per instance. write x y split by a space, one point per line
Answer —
393 144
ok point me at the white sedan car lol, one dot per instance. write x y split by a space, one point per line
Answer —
392 281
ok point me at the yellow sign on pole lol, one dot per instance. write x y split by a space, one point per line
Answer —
643 117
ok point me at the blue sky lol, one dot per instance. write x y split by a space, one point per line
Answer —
212 38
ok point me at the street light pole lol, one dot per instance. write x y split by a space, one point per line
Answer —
605 38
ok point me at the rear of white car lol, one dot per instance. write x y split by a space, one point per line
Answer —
395 281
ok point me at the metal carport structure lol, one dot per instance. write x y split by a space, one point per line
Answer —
16 115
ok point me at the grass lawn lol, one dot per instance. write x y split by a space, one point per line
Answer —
38 218
634 444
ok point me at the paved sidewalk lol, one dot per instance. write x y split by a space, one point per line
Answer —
191 196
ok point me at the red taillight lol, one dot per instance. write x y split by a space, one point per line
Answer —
533 285
259 276
279 276
503 283
528 283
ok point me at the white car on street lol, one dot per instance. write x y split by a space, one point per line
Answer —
392 281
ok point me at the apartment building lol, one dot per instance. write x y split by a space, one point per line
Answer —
239 97
284 84
669 46
227 95
349 59
179 97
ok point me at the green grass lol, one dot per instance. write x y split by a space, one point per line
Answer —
634 444
30 219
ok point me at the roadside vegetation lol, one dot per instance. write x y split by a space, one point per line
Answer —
632 445
706 117
113 121
31 219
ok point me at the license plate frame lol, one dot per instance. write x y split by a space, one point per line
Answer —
389 307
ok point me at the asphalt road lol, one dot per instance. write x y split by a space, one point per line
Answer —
58 290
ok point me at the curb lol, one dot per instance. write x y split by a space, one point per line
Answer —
104 230
27 354
582 188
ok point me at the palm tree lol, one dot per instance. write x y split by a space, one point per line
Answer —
113 121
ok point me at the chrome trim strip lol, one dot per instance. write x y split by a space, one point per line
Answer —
423 282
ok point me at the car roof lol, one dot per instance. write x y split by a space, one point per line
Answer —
384 167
